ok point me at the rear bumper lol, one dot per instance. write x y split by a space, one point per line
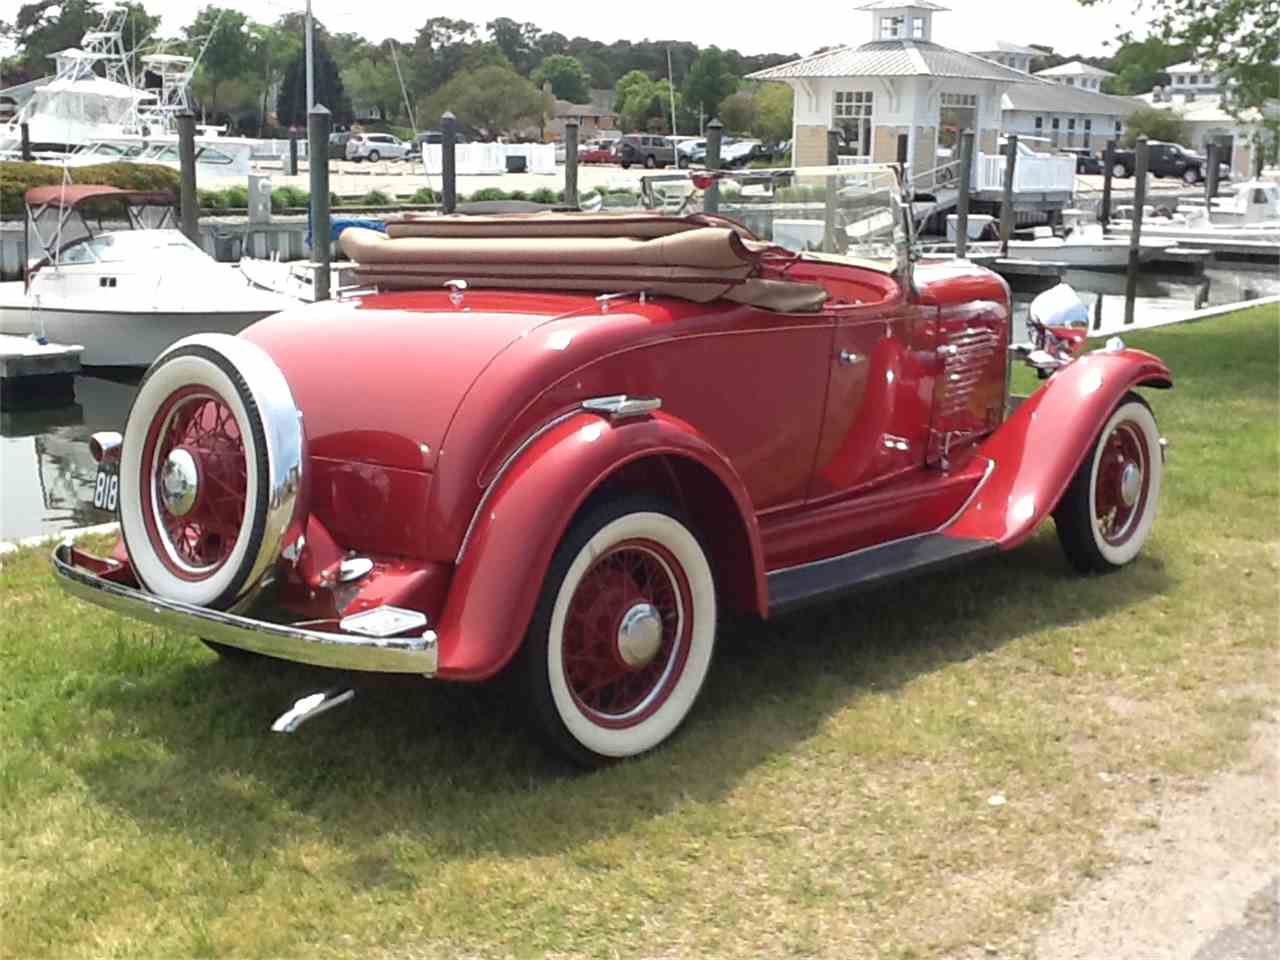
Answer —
414 654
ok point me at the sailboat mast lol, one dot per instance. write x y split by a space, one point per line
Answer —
311 70
671 85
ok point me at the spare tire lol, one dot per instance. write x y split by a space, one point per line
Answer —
210 470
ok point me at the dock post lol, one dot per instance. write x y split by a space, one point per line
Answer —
187 163
1006 202
26 141
1142 156
962 201
1259 159
448 162
293 153
711 196
318 120
1108 162
1211 174
831 197
571 164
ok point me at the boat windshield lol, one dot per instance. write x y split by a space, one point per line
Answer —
140 247
856 212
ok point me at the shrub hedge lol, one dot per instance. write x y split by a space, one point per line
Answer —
16 178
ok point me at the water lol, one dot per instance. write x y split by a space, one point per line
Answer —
47 473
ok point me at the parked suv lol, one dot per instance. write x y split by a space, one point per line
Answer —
651 151
1167 160
376 146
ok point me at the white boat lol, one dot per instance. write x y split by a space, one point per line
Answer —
1088 248
124 294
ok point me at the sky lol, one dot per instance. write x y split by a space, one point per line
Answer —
755 28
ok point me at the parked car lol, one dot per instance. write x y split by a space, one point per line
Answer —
644 150
338 143
376 146
693 150
435 136
596 151
679 424
1167 160
1087 162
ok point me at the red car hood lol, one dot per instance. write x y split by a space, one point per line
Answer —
378 380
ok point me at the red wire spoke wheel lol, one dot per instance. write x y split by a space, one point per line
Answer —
1107 512
623 634
206 488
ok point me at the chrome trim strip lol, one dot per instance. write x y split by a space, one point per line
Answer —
416 654
620 406
982 482
502 469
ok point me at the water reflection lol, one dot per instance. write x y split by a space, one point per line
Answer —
46 470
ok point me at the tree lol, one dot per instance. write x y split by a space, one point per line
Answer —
775 106
1139 66
494 100
517 41
1239 40
567 76
223 36
710 79
373 84
48 26
271 47
291 104
1156 124
738 112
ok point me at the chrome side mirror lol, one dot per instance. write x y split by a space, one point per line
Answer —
1059 307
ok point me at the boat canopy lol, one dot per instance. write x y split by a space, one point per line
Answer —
70 196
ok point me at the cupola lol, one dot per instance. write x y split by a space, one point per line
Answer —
896 20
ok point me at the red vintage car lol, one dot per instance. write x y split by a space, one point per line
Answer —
597 151
560 444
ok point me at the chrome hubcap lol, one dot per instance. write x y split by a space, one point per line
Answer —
179 482
1130 484
640 635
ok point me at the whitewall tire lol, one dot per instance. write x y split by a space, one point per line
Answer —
1107 513
623 636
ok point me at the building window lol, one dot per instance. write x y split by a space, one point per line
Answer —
1071 81
1088 132
891 27
1056 123
851 115
1071 125
1119 128
917 28
1195 80
959 113
1179 80
1039 125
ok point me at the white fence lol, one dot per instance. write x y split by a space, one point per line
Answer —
1032 173
479 158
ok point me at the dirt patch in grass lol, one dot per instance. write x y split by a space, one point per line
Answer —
926 771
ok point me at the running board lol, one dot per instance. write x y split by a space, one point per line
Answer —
870 568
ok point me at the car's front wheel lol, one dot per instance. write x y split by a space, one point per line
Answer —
1106 515
1191 175
623 634
1119 170
374 156
650 162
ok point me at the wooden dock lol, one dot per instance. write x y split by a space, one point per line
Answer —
32 372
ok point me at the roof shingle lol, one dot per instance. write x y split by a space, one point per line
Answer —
892 58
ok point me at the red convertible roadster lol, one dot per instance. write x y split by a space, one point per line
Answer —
561 444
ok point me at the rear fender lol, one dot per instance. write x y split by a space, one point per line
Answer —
1038 449
524 515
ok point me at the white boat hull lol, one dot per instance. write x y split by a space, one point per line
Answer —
113 338
1086 254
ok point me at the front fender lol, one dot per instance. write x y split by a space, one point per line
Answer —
523 517
1039 448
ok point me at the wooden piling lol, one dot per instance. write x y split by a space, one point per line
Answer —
962 201
1006 202
1211 173
711 196
188 205
1108 163
448 162
571 163
830 243
318 120
1142 155
293 153
26 141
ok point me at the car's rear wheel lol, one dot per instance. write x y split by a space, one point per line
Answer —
374 156
1191 175
210 470
1119 170
623 634
1107 513
650 162
684 163
625 165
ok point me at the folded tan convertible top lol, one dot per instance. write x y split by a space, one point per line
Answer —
696 261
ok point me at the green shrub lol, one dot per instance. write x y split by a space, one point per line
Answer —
545 195
16 178
211 200
375 198
487 193
283 198
237 197
423 195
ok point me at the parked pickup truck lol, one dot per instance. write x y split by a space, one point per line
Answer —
1167 160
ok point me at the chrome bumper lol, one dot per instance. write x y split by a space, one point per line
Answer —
340 651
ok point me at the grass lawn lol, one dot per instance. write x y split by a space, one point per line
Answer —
831 795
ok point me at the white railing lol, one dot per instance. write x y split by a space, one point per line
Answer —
1031 174
473 158
849 161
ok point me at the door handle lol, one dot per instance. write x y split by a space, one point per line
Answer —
849 358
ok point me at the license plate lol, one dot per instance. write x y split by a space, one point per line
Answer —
106 489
